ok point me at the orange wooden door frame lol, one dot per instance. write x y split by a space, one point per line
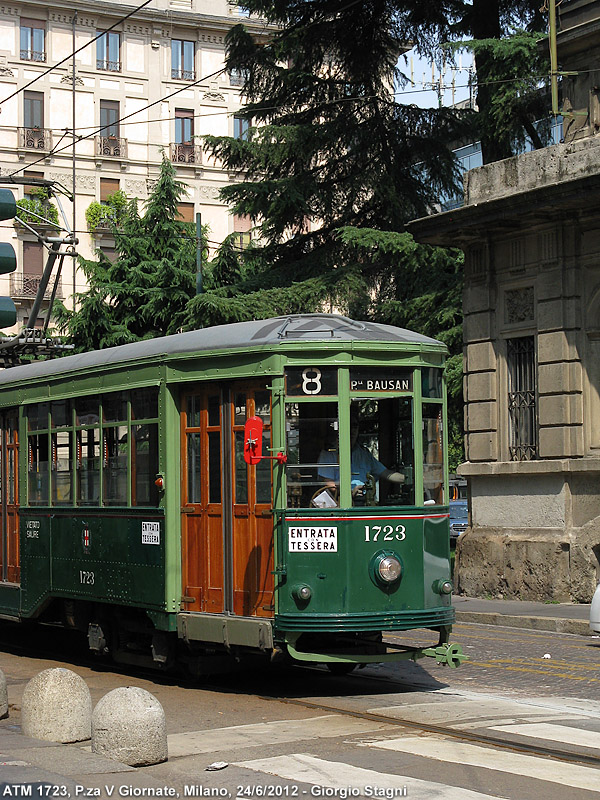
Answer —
9 477
227 522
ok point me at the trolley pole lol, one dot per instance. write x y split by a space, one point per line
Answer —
198 253
73 164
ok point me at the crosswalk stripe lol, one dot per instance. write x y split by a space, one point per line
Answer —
500 760
459 712
356 781
554 733
262 733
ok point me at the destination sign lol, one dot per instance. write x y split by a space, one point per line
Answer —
381 380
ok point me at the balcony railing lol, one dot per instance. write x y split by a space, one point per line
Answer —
33 55
108 66
111 146
24 287
183 74
186 153
35 138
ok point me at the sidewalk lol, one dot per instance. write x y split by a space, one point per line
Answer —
556 617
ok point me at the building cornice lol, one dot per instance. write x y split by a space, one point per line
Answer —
149 15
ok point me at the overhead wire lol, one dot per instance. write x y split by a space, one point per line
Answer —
74 53
127 116
122 120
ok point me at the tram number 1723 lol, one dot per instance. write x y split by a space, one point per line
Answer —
390 533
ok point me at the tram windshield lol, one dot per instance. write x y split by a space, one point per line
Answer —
381 471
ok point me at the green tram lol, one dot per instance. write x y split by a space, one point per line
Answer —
276 488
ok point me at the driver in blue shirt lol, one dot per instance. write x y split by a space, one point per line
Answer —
363 462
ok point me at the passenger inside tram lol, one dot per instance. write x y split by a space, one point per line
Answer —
365 468
382 465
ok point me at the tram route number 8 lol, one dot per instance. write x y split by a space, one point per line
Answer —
311 380
390 533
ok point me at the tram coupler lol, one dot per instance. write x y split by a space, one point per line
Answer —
450 655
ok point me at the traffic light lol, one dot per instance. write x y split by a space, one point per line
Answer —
8 259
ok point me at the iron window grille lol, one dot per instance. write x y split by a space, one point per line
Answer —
522 406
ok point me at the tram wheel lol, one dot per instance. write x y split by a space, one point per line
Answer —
339 668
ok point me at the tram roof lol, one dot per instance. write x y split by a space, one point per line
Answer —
239 336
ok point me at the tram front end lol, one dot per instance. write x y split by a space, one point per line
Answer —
362 544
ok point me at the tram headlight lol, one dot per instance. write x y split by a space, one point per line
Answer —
386 568
302 592
443 586
389 569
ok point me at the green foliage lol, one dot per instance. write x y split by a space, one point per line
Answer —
495 31
109 214
144 293
516 68
419 288
329 143
38 203
333 167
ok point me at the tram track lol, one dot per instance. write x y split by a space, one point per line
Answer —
76 658
586 759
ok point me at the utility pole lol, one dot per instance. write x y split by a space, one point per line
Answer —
73 163
198 253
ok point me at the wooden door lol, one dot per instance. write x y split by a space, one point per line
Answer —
9 482
227 524
252 523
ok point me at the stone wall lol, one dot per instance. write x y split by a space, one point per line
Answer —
534 533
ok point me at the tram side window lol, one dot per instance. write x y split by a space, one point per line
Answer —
12 444
382 454
262 409
144 453
432 382
37 471
311 430
433 454
103 447
144 403
88 467
115 464
144 459
62 456
240 487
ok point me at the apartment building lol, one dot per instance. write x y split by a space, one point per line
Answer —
149 84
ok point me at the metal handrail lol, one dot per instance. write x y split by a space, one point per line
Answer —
35 138
25 286
184 153
111 146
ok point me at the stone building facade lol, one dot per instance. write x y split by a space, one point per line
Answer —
162 68
530 230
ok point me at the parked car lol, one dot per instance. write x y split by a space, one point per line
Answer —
459 518
595 611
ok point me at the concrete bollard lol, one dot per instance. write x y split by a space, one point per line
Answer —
3 696
129 725
57 707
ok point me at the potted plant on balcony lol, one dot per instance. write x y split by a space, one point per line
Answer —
37 205
103 216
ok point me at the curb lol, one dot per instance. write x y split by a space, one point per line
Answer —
554 624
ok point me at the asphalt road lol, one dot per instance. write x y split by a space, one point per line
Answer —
510 724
